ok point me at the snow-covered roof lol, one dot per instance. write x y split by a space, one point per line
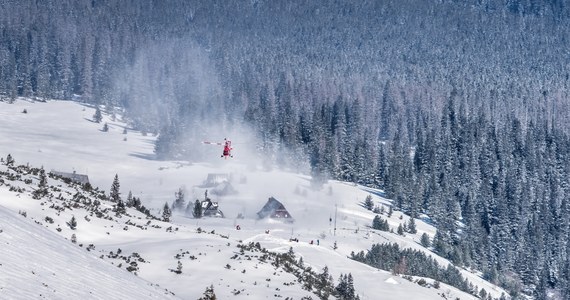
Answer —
273 209
81 178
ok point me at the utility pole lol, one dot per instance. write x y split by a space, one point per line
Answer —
335 214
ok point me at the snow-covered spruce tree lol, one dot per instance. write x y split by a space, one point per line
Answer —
43 179
439 244
166 213
130 200
72 223
400 229
342 287
97 117
42 189
114 194
163 145
9 160
197 211
115 197
345 288
425 241
178 268
87 187
324 285
179 201
380 224
412 226
209 294
368 203
120 208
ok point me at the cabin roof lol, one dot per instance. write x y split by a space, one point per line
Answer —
80 178
274 209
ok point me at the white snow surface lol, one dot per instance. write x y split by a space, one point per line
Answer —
38 264
38 261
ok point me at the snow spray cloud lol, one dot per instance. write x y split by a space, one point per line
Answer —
172 89
166 81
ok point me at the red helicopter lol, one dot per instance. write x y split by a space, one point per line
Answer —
227 152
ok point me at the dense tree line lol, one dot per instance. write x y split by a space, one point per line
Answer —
413 262
498 193
458 109
283 65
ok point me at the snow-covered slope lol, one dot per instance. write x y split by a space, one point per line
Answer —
60 136
38 264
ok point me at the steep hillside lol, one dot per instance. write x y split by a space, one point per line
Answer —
38 264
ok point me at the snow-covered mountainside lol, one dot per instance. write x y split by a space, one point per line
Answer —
69 240
39 264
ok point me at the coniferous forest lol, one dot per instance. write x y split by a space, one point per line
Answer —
459 110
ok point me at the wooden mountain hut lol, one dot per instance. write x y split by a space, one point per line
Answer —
275 210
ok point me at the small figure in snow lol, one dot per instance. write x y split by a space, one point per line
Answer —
311 242
318 242
238 227
267 231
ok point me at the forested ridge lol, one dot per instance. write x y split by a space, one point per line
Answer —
458 109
